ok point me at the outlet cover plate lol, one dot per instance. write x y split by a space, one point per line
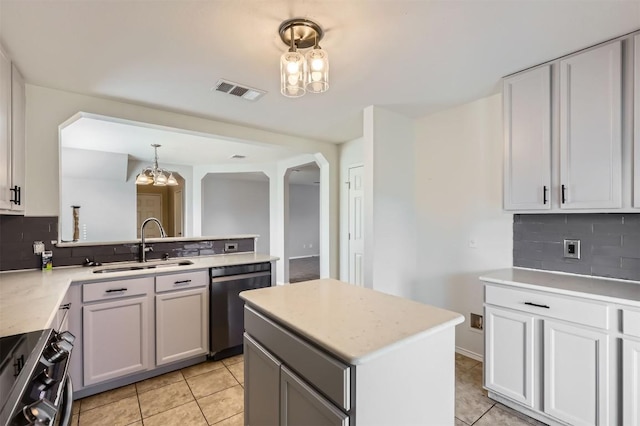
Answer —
571 249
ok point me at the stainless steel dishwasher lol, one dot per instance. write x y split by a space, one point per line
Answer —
226 309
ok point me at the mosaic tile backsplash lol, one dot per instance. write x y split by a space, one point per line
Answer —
610 243
17 234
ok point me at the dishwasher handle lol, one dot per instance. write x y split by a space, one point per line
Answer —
239 277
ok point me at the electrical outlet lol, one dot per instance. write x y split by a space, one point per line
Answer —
476 321
572 249
38 247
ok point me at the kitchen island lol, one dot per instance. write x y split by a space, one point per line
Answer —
326 352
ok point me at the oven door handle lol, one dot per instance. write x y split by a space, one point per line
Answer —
67 403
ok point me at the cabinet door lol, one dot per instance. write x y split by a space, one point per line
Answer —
631 382
5 130
576 374
527 140
590 128
18 104
509 351
182 325
636 120
115 339
261 385
301 405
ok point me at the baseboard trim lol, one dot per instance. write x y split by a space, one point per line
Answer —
469 354
303 257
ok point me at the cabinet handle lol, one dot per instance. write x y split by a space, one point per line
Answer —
66 306
115 290
536 305
544 194
182 282
564 199
15 199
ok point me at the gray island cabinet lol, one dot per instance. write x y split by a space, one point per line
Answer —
325 352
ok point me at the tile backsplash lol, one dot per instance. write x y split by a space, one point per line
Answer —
610 243
17 234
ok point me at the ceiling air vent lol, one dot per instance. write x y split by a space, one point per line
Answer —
238 90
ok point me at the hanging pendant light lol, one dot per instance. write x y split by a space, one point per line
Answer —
300 74
155 175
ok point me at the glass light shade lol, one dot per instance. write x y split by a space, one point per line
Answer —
318 68
143 179
292 74
160 179
172 180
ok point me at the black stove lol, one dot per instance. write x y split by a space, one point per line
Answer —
34 385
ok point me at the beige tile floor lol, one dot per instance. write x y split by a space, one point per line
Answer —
211 393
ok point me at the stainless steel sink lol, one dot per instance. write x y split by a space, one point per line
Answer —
141 266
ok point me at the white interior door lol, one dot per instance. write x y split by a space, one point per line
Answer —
149 205
356 226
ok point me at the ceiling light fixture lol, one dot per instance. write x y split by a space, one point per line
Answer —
300 74
154 174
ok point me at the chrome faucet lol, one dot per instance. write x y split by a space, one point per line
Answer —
143 248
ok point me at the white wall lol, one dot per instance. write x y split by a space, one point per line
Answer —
304 220
389 180
433 208
351 154
236 206
458 191
114 220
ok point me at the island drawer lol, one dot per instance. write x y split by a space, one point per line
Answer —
181 281
114 289
330 376
572 309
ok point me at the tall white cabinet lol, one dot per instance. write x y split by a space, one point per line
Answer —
590 128
527 133
12 136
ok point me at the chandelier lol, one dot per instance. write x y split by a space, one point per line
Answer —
300 74
154 174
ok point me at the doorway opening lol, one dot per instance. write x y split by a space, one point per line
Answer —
165 203
304 223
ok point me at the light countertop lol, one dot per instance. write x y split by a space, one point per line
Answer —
157 240
354 323
610 290
29 300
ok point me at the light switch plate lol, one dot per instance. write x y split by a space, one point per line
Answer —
572 249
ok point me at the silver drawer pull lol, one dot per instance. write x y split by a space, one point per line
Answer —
115 290
182 282
536 305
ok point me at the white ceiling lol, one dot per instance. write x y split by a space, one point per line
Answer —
176 147
414 57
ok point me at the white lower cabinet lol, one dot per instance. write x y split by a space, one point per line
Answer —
576 374
631 381
129 327
541 356
509 338
182 320
115 336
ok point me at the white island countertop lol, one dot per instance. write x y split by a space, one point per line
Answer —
29 300
354 323
610 290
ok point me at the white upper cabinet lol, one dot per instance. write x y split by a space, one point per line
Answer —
590 129
5 130
636 138
12 135
527 133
